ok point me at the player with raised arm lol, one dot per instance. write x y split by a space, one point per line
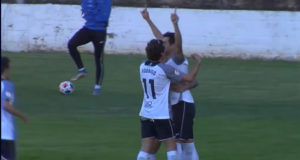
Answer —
183 109
168 38
96 13
155 117
8 111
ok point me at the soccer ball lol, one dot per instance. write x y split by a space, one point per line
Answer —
66 87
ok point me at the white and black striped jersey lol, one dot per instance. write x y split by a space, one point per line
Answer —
156 78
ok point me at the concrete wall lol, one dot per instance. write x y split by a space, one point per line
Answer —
196 4
212 33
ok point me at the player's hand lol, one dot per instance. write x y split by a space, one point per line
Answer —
145 14
174 17
177 87
197 58
25 119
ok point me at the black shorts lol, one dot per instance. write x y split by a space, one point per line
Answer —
183 114
161 129
8 149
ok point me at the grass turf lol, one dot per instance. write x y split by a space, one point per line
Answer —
246 110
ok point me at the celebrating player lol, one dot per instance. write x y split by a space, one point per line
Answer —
8 111
96 13
155 118
183 109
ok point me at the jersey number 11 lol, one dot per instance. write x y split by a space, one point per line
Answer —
151 82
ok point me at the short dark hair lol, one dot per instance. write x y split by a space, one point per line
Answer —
4 64
154 49
171 37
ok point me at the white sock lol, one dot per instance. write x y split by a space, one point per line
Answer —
142 155
81 69
172 155
151 156
195 154
179 151
97 86
189 151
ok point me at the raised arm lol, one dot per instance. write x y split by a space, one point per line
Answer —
178 38
192 75
156 32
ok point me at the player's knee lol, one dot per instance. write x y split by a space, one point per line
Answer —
142 155
71 45
186 141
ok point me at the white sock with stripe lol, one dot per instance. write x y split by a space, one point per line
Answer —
151 156
189 151
142 155
179 151
97 86
172 155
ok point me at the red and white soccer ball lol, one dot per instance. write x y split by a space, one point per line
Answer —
66 87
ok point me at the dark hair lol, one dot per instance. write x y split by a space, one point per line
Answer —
4 64
154 49
171 37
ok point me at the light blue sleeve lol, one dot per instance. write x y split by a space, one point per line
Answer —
9 92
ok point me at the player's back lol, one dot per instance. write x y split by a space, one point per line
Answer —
156 90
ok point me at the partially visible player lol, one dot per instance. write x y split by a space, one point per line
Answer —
96 13
2 158
183 108
155 117
8 111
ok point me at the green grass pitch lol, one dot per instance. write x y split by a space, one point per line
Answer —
246 110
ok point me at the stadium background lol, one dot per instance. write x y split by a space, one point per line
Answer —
246 109
203 4
210 32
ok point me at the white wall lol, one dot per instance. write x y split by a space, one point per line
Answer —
211 33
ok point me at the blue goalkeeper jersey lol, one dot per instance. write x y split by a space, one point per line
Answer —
96 13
